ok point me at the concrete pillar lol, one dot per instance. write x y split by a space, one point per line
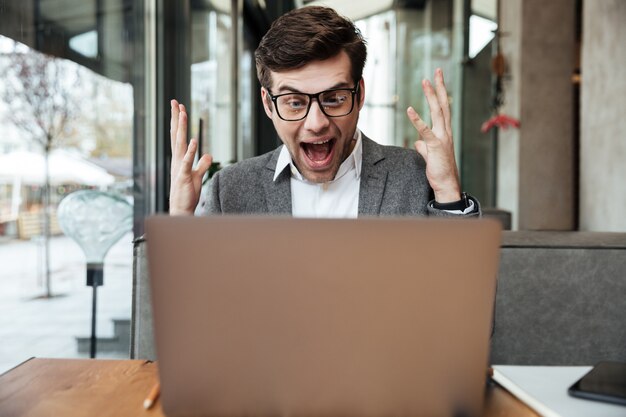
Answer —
603 117
535 163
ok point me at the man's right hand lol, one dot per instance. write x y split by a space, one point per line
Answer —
186 182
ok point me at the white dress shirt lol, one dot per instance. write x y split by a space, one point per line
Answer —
337 198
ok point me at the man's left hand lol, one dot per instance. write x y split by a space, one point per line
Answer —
436 145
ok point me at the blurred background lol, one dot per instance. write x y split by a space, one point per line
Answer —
537 89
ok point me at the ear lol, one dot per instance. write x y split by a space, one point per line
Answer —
267 102
361 94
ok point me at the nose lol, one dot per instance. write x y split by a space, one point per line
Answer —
316 120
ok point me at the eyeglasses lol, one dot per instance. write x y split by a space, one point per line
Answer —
336 102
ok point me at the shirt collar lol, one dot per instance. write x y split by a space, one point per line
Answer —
353 161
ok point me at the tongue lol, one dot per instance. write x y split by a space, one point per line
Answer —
317 152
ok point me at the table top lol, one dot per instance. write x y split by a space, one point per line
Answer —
100 387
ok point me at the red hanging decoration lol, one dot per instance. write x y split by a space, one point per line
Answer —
500 120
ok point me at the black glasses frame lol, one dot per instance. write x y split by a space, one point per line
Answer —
316 96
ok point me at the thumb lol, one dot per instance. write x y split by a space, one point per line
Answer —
422 149
203 165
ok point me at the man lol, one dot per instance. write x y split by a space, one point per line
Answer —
310 66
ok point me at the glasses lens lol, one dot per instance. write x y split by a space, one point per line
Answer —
336 102
292 106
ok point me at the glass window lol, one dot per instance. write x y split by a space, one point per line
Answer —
211 78
73 114
406 45
227 124
378 113
479 150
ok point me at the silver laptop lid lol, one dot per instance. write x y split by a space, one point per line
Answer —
312 317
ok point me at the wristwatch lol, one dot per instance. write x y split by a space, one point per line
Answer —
461 204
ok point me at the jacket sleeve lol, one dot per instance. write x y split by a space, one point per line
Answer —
475 212
210 198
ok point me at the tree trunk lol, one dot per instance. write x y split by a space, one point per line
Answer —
46 220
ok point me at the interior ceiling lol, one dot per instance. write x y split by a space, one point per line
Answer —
360 9
353 9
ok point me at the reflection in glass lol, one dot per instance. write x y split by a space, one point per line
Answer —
73 84
406 45
378 113
86 44
211 77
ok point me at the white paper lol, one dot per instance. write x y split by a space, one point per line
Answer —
544 389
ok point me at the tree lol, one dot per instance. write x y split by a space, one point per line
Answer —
40 93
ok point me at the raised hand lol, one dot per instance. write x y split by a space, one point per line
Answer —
436 145
186 182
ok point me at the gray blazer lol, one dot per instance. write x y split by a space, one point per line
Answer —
393 183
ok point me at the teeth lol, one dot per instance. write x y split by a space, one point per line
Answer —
321 143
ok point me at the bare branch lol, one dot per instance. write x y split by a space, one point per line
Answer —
40 92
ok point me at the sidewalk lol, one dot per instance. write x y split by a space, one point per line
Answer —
34 326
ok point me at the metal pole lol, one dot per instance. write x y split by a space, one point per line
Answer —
93 340
46 217
235 8
94 279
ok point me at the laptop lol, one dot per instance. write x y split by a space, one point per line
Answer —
266 316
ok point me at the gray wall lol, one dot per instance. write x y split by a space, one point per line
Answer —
603 116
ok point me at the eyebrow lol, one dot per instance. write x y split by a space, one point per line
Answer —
289 89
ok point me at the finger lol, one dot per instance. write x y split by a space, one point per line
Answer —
422 149
422 128
442 95
435 108
173 123
186 164
181 135
203 166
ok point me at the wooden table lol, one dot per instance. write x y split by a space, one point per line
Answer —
117 388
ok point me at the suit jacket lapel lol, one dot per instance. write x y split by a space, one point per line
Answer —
277 193
373 179
372 187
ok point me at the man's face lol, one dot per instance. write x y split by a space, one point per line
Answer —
318 144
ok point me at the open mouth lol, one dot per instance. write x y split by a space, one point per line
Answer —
320 153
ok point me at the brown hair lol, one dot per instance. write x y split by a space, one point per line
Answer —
308 34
